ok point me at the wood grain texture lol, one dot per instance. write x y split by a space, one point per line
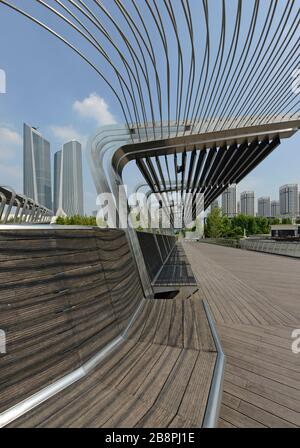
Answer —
60 302
254 298
68 294
157 378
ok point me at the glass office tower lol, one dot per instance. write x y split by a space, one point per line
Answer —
36 167
68 183
57 174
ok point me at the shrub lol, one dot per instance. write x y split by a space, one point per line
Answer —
76 220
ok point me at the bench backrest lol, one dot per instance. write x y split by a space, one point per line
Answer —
64 295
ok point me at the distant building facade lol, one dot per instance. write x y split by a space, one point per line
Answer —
275 209
289 200
214 204
247 203
229 202
57 174
68 179
36 167
264 207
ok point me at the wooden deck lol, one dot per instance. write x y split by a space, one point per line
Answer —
255 300
160 377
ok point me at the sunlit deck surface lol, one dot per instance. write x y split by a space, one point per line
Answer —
255 300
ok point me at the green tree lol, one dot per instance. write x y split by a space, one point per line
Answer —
213 226
226 227
263 225
286 221
274 221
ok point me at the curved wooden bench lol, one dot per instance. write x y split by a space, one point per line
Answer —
69 293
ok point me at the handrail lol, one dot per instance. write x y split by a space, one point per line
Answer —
213 406
26 209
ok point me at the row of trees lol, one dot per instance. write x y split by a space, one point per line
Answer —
76 220
219 226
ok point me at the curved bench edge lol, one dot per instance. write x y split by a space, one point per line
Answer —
213 406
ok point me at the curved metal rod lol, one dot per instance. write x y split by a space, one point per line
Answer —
243 58
163 69
17 209
3 203
72 47
11 203
260 84
93 41
258 80
132 52
217 66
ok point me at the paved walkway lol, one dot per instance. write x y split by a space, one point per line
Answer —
255 300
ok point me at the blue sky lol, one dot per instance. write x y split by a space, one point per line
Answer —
48 86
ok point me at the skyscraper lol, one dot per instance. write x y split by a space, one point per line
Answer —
289 200
36 167
57 174
68 179
264 207
275 209
229 201
247 203
214 204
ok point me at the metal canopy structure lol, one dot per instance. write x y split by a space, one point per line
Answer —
206 88
216 160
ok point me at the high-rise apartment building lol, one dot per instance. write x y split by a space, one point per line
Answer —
247 203
275 209
68 184
36 167
289 200
229 202
264 207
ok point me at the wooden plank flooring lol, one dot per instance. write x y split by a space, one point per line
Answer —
255 301
159 377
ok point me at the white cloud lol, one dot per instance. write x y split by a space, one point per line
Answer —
7 153
96 108
67 133
10 142
8 136
11 158
11 176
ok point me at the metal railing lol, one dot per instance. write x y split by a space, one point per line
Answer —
19 209
286 248
212 411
